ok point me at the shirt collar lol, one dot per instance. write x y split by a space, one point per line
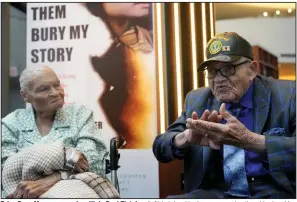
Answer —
61 119
247 98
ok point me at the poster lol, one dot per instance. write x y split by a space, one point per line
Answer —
103 54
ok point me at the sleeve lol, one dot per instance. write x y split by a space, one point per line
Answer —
90 142
9 143
281 146
177 153
163 147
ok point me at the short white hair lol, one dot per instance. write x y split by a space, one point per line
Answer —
28 75
245 58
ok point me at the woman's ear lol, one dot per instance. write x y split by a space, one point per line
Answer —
24 95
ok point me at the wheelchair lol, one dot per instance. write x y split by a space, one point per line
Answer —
112 164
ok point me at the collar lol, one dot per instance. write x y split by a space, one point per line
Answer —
60 120
247 98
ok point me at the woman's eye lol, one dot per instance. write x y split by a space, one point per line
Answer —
43 88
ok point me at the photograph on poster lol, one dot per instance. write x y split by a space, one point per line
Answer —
127 99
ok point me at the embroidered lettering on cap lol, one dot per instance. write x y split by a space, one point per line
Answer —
222 37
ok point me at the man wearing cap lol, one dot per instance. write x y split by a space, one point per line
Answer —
238 136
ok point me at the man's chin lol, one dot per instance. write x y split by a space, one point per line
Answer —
225 98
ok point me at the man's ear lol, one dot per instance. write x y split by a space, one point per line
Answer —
24 95
255 67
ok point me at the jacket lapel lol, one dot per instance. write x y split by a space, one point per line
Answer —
261 102
262 95
281 179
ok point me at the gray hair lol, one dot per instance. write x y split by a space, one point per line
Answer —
28 75
245 58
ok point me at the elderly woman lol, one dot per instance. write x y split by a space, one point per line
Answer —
45 121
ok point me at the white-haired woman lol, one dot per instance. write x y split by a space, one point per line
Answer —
46 121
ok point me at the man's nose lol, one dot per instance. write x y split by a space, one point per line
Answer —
219 77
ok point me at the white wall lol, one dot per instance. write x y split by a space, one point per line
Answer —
276 35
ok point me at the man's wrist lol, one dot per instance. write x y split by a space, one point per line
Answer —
180 142
256 143
177 151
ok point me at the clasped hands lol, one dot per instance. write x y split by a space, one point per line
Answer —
208 131
75 161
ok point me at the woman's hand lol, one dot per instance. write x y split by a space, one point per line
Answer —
34 189
80 162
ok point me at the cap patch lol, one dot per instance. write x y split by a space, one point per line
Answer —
215 47
226 48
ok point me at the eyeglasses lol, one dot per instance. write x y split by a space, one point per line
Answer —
226 70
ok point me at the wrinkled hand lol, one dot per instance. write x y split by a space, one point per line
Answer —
193 136
81 163
196 135
34 189
231 133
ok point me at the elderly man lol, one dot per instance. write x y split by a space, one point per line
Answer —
237 136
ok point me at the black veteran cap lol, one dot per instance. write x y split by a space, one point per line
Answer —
226 47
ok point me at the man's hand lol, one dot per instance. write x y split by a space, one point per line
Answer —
193 136
232 133
81 162
34 189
